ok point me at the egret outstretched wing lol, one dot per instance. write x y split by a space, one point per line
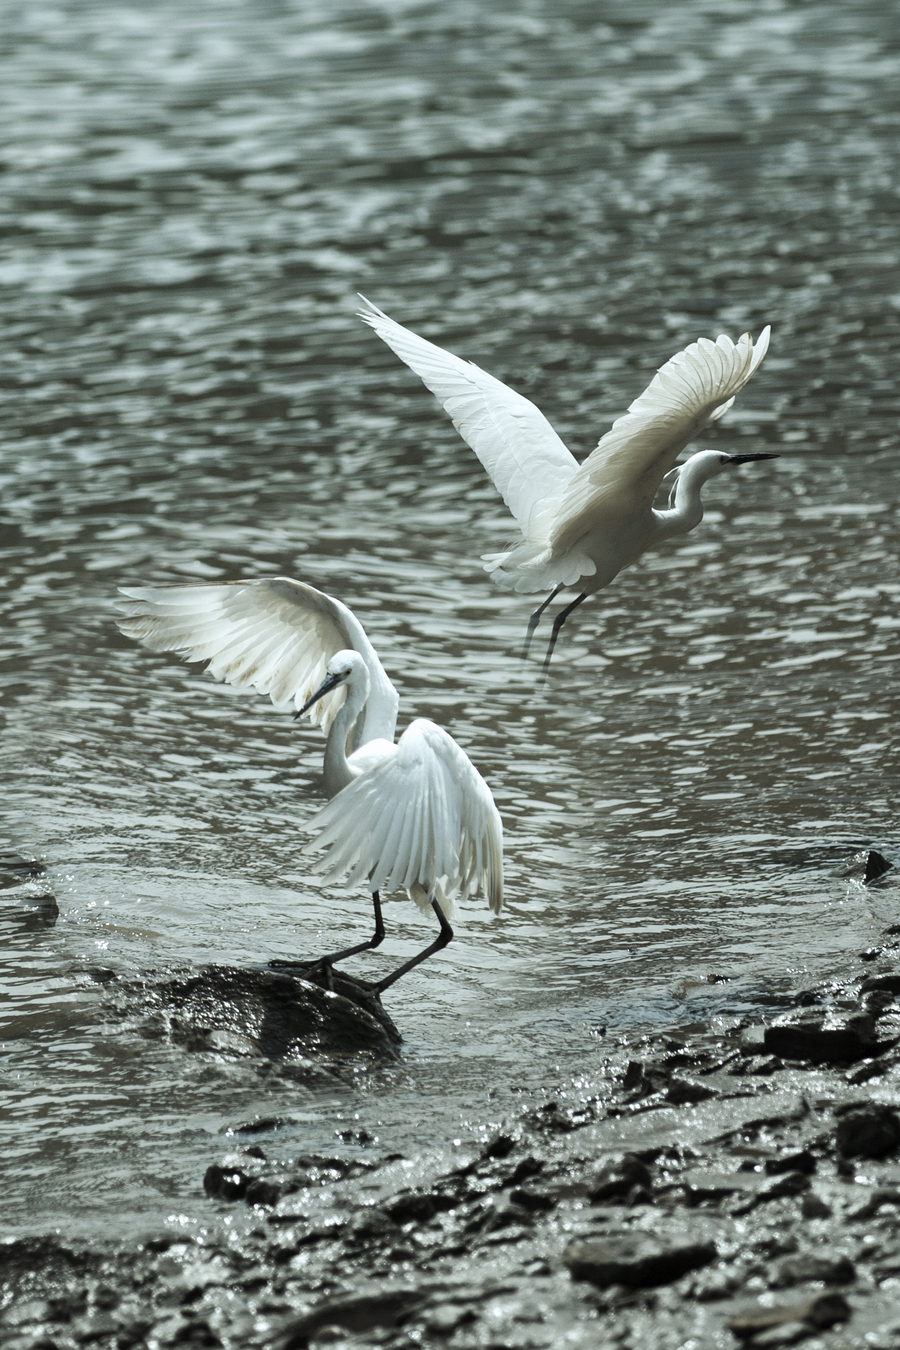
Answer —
622 475
270 634
423 820
527 461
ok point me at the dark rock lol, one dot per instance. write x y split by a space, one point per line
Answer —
866 866
381 1308
791 1162
638 1262
888 983
816 1044
413 1207
532 1200
822 1312
270 1014
260 1191
876 866
812 1206
618 1178
867 1130
828 1269
527 1167
225 1183
501 1146
681 1092
634 1075
264 1125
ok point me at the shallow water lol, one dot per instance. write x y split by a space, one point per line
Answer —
567 194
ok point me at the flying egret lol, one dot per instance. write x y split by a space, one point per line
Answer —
415 816
583 523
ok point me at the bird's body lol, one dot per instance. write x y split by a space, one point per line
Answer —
581 524
415 816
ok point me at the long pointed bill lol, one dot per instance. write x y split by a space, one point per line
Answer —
330 682
745 459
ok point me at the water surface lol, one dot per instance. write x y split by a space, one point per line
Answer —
566 193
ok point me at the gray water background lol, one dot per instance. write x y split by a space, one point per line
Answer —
566 193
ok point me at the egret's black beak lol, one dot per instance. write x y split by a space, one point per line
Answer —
330 682
745 459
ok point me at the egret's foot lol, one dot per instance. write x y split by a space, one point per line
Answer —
325 963
320 971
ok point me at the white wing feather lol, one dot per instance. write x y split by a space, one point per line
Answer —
691 390
422 820
525 458
270 634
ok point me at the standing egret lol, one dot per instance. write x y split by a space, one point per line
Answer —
415 816
583 523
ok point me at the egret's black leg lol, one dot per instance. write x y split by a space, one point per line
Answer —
326 961
536 618
443 937
557 625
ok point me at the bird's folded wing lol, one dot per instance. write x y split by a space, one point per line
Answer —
527 461
691 390
270 634
423 819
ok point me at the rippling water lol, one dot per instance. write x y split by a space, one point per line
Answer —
566 193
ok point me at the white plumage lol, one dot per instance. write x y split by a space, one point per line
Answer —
581 524
415 816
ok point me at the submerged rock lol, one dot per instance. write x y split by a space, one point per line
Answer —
260 1013
820 1313
31 904
867 1130
638 1262
379 1308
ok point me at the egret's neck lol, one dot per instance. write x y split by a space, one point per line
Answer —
688 509
338 772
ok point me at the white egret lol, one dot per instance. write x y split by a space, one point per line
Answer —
583 523
415 816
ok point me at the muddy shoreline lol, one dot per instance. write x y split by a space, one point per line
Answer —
735 1181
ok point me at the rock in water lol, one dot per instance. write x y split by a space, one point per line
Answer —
34 905
866 866
262 1013
639 1262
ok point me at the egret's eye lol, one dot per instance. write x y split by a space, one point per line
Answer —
723 459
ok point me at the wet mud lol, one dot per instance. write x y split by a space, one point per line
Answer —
734 1182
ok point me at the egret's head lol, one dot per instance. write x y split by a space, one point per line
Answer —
707 463
340 670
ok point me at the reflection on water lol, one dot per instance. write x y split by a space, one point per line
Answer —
566 194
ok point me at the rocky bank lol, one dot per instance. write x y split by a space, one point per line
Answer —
719 1184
